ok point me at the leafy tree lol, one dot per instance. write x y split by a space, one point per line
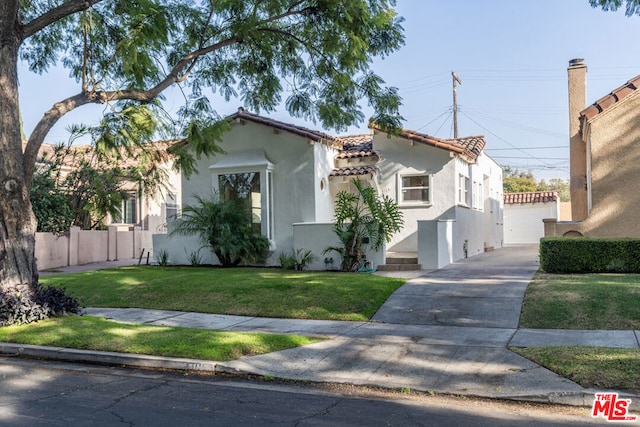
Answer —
556 184
225 227
77 185
632 7
124 54
515 181
361 215
49 202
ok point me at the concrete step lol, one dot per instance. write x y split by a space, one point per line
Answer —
402 260
399 267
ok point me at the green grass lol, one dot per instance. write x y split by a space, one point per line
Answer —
582 301
263 292
590 302
91 333
591 367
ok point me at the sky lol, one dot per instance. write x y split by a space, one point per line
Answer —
511 57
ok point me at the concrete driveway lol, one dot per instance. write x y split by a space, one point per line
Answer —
486 290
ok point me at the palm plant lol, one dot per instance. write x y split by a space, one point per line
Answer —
225 227
361 215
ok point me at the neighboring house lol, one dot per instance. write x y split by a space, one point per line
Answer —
140 208
449 191
605 161
524 214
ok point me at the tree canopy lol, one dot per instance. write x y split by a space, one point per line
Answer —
315 56
632 7
516 181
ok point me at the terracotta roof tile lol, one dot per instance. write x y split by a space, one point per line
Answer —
355 171
357 146
530 197
611 99
313 135
468 147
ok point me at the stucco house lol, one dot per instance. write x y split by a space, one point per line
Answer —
524 214
604 161
449 191
139 208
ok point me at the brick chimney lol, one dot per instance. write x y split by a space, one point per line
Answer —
577 77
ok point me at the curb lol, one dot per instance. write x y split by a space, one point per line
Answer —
579 399
108 358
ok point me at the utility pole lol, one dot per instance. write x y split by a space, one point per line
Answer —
455 104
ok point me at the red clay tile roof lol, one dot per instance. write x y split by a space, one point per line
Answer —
608 100
468 147
313 135
530 197
354 171
357 146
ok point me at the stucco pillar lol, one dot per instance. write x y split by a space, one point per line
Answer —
577 78
137 241
112 238
74 242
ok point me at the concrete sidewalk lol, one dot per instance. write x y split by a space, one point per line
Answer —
446 331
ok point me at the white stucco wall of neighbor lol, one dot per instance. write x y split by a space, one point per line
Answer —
523 222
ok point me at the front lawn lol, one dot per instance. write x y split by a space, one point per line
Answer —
591 302
591 367
263 292
92 333
582 301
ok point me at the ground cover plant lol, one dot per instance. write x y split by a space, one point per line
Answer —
264 292
582 301
92 333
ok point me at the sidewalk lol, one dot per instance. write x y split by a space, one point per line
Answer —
446 331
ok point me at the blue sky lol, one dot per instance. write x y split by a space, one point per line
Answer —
511 57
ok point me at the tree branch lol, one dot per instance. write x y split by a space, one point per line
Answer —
54 15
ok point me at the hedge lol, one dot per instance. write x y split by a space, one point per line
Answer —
590 255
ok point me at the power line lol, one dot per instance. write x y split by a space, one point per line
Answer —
505 141
529 148
540 158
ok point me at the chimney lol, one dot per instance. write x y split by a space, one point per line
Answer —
577 78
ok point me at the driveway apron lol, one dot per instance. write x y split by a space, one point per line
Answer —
486 290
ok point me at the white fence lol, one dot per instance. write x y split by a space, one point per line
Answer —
78 247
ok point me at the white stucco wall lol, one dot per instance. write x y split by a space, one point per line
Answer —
299 191
400 156
479 223
523 222
324 164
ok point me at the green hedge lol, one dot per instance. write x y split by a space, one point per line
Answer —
589 255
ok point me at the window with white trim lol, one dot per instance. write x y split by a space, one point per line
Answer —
463 190
170 207
251 190
246 177
414 189
128 213
478 195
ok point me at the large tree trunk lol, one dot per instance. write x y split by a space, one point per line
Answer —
17 222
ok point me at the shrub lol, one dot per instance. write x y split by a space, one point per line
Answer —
360 216
24 304
194 257
162 258
298 260
590 255
225 227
